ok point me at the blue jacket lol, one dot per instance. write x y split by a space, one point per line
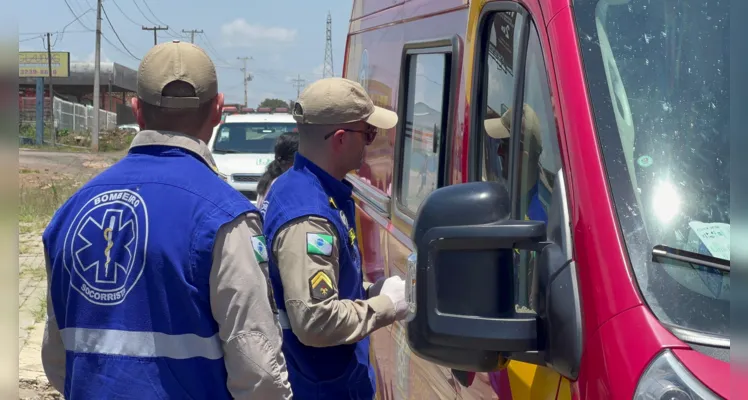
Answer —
130 255
339 372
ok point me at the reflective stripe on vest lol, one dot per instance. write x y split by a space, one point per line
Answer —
141 344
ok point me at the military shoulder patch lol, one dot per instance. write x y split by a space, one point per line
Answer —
320 286
260 248
319 244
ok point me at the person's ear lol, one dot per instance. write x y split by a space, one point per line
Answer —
137 112
215 110
338 140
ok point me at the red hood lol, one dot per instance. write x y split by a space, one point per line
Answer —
713 373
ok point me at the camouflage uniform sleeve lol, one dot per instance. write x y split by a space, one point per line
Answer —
307 256
242 304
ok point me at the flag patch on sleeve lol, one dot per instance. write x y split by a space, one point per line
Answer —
260 248
319 244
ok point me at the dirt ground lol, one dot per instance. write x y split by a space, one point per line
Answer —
45 180
36 390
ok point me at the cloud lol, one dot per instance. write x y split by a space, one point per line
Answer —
90 58
240 33
319 70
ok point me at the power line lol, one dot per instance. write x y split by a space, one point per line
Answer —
212 50
142 13
77 18
192 33
41 35
298 83
115 33
176 34
155 29
125 14
115 47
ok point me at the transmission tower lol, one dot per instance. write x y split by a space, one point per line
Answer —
328 72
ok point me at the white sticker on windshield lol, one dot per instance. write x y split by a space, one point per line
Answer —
714 236
711 239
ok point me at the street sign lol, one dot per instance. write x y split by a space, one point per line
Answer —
34 64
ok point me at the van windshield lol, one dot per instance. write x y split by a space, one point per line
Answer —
249 137
658 77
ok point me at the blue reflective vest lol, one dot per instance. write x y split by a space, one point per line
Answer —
540 200
131 254
338 372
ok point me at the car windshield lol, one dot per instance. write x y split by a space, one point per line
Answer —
658 77
249 137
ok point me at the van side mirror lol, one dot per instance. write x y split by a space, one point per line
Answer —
461 278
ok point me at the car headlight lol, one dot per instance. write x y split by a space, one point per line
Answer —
410 287
667 379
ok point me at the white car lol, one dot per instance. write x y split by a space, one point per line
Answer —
243 145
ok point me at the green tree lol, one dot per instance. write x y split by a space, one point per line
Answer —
273 103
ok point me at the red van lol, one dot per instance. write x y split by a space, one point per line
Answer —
556 194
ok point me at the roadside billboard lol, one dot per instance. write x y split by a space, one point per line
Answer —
35 64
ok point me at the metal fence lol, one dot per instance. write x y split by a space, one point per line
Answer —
79 117
67 115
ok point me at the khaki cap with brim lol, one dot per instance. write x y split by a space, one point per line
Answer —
499 128
176 61
336 101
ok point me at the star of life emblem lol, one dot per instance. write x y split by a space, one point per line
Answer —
105 246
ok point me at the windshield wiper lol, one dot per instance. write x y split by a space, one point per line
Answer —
671 253
220 151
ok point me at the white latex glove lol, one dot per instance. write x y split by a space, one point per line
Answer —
375 289
394 288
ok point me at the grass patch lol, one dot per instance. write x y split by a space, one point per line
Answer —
113 140
25 248
36 272
40 311
58 148
39 203
75 142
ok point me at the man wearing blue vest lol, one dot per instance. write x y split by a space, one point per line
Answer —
158 285
326 309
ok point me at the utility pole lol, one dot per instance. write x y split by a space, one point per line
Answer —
53 129
155 29
245 76
97 83
298 84
192 33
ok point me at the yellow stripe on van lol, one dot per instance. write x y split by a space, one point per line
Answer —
531 382
470 43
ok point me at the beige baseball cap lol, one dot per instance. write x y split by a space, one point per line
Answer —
176 61
333 101
499 128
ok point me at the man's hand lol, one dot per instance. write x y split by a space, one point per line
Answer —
394 288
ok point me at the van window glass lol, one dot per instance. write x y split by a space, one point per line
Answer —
540 158
425 117
501 63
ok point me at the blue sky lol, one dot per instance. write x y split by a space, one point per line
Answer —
285 38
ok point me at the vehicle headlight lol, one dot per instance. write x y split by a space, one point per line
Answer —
410 286
667 379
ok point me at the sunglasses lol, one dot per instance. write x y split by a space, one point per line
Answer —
370 134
